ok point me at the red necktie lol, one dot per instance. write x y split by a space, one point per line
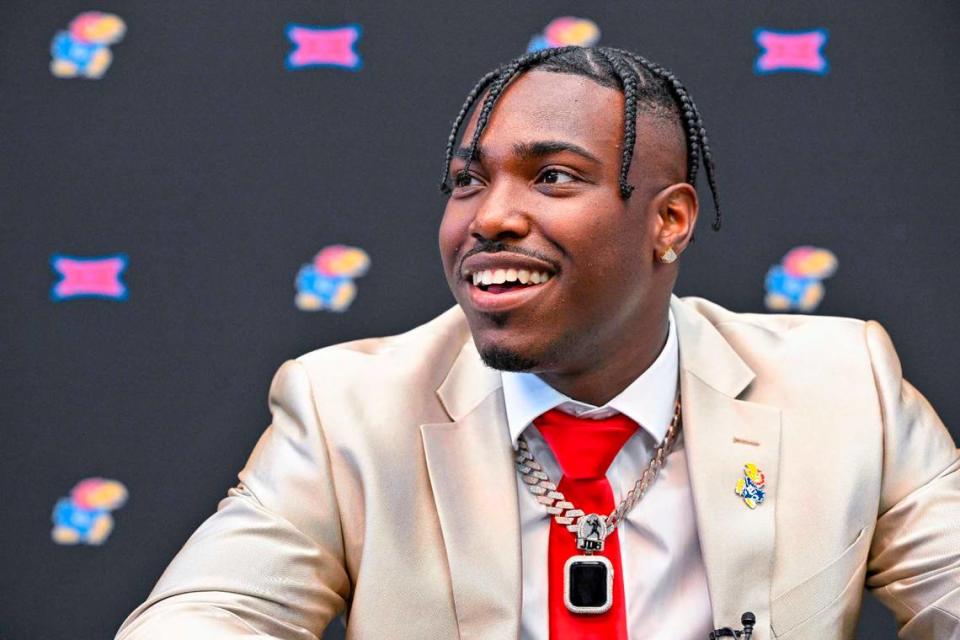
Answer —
584 449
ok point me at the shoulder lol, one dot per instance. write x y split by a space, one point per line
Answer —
419 357
366 399
774 333
817 350
773 325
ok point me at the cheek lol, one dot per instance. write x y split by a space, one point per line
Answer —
609 260
453 231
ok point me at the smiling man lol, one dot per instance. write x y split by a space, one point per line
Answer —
572 451
541 196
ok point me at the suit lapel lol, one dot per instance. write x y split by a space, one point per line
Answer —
721 435
470 462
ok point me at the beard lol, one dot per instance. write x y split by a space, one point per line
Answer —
502 359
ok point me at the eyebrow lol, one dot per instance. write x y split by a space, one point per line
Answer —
530 150
550 147
464 153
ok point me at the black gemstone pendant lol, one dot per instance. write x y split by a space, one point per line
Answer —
588 584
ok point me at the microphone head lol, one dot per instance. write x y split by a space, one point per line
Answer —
748 619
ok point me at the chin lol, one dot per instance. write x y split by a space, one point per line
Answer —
505 359
533 352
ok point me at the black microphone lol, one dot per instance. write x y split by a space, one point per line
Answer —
748 620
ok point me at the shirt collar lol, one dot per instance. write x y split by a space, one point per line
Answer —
648 400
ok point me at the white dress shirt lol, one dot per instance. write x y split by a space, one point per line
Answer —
663 574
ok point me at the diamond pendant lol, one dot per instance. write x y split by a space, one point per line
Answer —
591 532
588 579
588 585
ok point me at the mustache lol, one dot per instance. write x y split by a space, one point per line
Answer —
497 246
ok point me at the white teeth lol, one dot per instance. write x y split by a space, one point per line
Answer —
500 276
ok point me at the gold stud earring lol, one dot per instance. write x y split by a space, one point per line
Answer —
668 256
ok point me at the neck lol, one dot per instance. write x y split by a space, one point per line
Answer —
613 369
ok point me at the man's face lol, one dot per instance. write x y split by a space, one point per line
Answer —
551 266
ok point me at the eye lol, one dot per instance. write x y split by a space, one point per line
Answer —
556 176
465 179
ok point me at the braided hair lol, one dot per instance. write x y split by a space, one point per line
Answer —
645 85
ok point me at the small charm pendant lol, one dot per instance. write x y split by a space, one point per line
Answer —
591 532
588 585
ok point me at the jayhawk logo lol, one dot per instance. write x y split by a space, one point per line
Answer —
327 283
84 517
751 486
83 50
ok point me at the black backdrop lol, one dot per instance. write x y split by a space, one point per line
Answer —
218 172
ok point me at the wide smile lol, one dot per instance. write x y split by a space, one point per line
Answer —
505 287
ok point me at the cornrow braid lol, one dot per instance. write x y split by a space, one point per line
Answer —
628 82
641 81
708 165
458 122
682 101
711 173
509 72
693 127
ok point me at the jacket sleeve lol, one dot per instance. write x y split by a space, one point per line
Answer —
914 563
269 562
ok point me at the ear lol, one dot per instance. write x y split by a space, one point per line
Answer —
676 207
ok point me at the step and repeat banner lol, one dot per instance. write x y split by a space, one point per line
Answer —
193 192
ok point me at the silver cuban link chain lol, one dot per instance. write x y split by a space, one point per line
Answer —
564 511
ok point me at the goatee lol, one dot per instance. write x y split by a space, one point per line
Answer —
497 357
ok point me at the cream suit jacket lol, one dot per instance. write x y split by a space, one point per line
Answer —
385 488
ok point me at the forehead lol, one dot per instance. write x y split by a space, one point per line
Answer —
540 105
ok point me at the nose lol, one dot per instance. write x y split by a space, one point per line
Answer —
500 216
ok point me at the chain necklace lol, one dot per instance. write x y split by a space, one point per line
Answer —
588 579
575 520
